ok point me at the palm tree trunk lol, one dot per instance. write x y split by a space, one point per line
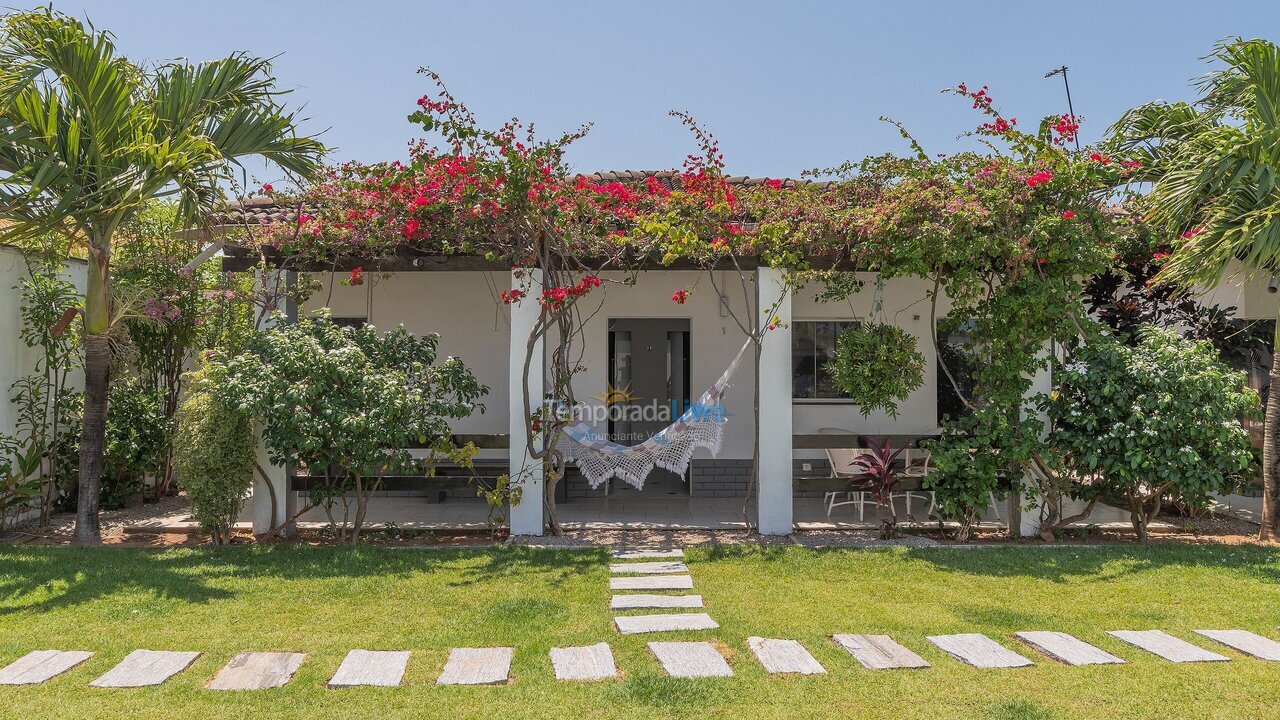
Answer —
1270 431
97 367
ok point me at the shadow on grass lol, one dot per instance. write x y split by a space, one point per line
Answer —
35 579
1055 564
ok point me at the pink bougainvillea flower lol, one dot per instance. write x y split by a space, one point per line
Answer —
680 296
357 276
510 296
1100 158
773 184
267 189
1192 233
1068 214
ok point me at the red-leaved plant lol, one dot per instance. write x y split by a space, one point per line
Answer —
879 477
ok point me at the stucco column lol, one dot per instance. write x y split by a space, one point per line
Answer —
527 515
1032 503
277 475
774 497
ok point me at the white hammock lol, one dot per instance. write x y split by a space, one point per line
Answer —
701 426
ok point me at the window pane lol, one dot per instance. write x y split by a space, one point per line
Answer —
825 351
803 370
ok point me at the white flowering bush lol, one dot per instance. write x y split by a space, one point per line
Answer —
1162 418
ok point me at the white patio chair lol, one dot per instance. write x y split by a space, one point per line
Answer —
916 465
844 465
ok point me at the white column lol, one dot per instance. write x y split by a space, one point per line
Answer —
774 498
1032 503
527 515
278 475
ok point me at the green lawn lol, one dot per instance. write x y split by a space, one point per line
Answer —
326 602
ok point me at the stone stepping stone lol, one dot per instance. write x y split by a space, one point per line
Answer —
784 656
1246 642
880 652
634 602
654 582
1066 648
40 665
380 668
1167 646
593 662
477 666
257 671
690 659
648 568
635 624
979 650
647 554
141 668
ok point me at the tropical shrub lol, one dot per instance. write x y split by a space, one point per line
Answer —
136 441
47 308
1156 419
348 403
20 481
878 366
213 454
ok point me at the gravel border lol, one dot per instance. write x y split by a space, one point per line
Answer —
644 539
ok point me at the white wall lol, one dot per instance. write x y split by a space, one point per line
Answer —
473 324
16 359
1251 297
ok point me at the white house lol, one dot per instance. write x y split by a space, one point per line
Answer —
661 354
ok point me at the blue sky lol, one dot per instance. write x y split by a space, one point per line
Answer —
785 86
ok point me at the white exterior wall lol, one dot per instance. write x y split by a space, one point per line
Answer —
473 324
16 359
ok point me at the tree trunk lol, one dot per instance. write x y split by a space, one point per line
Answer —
1270 481
97 363
888 519
1138 516
97 368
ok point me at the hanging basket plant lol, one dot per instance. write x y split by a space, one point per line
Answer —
878 366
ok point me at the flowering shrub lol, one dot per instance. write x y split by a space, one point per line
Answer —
357 400
1160 418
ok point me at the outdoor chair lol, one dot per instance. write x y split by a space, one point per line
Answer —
844 465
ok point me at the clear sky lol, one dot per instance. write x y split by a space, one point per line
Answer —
785 86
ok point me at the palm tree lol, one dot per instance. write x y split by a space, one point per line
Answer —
87 138
1214 173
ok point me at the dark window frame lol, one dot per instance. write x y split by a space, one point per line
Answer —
817 395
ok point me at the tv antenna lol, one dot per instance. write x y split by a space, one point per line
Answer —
1063 72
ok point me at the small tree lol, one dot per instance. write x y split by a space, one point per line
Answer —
346 403
1159 418
213 453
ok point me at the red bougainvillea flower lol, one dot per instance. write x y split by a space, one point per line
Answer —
267 189
679 297
1100 158
1192 233
1131 164
357 276
1066 129
1039 178
1068 214
773 184
1159 257
411 228
999 127
510 296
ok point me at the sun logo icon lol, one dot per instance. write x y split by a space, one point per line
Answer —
616 396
